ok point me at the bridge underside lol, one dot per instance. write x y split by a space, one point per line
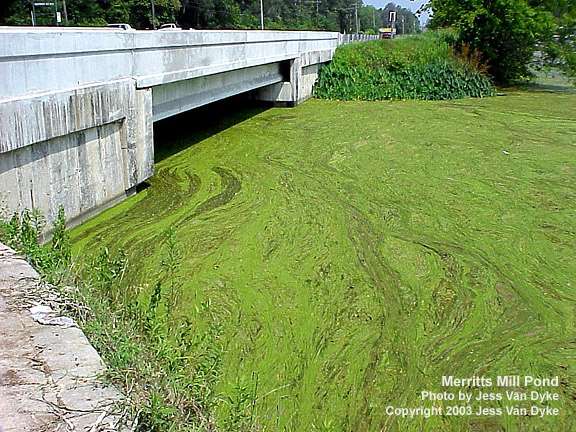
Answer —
285 83
180 96
86 149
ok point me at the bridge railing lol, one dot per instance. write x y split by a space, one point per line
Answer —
345 39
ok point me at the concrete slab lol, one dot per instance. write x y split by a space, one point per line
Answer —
50 377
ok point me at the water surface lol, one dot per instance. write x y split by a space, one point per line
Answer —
356 252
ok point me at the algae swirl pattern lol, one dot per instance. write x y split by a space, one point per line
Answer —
357 252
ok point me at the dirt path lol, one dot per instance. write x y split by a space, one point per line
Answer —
49 375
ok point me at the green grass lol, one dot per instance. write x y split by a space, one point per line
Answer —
352 253
415 67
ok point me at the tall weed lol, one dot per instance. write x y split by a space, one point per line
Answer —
168 365
416 67
23 232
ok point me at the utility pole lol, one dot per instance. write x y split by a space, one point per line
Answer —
374 18
261 15
403 24
356 14
153 14
65 11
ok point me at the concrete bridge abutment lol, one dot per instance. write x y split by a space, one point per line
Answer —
77 106
84 149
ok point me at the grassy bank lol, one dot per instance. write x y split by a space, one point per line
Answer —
339 258
417 67
167 376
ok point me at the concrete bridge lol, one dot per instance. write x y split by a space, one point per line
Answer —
77 105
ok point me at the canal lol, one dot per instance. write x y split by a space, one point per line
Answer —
322 263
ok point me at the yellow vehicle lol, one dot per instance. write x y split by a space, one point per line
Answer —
387 33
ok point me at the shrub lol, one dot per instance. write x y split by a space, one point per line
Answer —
506 32
417 67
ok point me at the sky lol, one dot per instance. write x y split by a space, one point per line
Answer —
413 5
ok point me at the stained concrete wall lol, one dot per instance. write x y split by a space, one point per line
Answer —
304 71
79 171
77 105
83 149
297 89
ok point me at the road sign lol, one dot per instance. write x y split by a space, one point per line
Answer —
392 16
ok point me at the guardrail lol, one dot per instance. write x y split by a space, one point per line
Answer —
355 37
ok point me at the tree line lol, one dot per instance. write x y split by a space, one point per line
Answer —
345 16
513 37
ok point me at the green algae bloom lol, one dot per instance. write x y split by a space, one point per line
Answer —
353 253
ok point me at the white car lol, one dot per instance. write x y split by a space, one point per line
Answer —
170 26
127 27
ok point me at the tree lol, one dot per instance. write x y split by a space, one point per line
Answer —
369 19
332 15
508 32
117 11
15 12
85 13
406 20
560 50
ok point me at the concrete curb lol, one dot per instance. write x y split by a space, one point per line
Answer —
49 375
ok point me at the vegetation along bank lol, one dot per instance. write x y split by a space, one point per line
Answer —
423 66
